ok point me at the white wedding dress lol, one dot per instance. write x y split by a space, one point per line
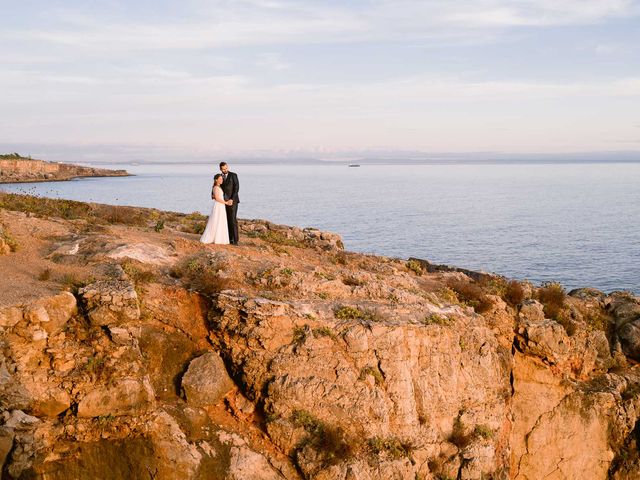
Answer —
217 230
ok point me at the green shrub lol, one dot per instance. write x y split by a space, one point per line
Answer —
325 276
137 273
483 431
391 446
324 332
347 312
329 442
13 156
435 319
300 334
448 295
11 242
415 266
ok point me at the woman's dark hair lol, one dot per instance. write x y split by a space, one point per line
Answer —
222 164
215 178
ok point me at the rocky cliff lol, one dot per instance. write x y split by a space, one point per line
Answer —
16 169
131 351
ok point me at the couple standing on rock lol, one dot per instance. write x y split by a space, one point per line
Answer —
222 226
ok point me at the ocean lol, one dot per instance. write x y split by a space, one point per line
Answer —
576 223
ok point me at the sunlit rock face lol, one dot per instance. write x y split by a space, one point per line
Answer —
286 357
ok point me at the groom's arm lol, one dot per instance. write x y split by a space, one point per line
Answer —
236 186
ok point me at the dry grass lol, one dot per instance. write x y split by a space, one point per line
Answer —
552 295
201 272
415 266
514 294
138 272
339 258
45 275
9 240
99 214
353 281
390 446
435 319
347 312
331 443
458 436
472 294
277 238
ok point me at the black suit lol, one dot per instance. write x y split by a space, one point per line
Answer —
230 187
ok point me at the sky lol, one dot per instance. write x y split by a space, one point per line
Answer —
271 77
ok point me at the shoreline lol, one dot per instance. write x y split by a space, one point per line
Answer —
53 180
17 169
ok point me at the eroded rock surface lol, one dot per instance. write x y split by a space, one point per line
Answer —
288 358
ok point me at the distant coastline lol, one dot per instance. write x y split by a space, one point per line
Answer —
15 168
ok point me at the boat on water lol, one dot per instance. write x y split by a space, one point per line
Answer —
354 165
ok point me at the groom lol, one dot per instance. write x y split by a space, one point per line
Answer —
230 187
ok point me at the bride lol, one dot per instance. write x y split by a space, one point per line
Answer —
217 230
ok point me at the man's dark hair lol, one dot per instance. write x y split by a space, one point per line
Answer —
222 164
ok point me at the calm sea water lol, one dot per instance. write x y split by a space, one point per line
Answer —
575 223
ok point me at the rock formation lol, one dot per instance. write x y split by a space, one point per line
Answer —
289 358
20 170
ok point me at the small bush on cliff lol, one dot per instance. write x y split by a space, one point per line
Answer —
415 266
137 272
483 431
324 332
45 275
552 296
391 446
352 281
329 442
201 273
448 295
339 258
435 319
8 239
514 294
472 294
299 335
347 312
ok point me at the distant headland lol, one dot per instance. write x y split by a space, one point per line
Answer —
14 168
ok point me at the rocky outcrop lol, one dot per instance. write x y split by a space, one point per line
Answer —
110 302
206 381
288 358
27 170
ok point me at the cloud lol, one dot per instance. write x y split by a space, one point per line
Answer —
262 22
272 61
